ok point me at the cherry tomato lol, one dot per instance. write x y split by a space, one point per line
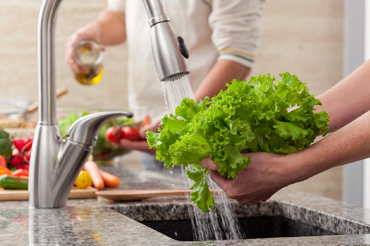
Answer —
2 161
113 134
130 133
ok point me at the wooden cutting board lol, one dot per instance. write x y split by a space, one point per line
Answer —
22 195
136 195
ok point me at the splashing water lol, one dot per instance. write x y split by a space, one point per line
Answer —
176 88
218 224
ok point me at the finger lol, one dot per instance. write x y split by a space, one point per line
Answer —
137 145
207 163
221 181
253 200
70 60
102 46
260 199
247 200
153 127
142 132
77 68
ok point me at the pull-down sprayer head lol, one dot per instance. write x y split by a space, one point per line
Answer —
168 49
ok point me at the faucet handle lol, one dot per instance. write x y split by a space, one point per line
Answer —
85 130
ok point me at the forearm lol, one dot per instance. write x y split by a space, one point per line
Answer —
109 28
348 99
223 72
348 144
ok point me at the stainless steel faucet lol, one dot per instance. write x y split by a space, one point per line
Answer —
55 163
168 49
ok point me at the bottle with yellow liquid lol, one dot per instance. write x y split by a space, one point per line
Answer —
89 53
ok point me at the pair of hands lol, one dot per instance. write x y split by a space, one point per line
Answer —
264 176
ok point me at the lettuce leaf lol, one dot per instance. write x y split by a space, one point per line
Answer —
250 116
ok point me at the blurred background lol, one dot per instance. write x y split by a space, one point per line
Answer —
303 37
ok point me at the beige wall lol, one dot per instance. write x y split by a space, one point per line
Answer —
303 37
18 49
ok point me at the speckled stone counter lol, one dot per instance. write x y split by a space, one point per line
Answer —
89 222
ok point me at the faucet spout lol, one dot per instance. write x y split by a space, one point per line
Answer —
168 48
85 130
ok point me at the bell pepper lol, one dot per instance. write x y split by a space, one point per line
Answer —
20 172
13 183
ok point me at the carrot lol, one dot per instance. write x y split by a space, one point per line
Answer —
93 170
146 120
109 179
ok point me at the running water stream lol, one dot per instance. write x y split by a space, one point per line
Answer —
219 224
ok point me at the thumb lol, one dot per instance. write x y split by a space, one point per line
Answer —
153 127
142 131
208 163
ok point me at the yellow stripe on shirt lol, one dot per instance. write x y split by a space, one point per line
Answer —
238 52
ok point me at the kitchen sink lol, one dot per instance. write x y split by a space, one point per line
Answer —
272 219
251 227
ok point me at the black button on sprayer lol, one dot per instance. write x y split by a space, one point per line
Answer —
184 51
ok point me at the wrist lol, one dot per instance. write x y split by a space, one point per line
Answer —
91 30
292 168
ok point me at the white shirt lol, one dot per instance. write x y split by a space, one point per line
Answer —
212 30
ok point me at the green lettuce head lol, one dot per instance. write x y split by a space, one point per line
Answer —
250 116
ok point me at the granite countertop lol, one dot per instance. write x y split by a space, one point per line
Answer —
93 222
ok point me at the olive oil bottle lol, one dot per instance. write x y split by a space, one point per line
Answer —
88 53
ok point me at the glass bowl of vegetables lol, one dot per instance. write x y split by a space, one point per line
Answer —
105 149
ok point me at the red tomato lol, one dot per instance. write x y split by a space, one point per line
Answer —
113 134
130 133
2 161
